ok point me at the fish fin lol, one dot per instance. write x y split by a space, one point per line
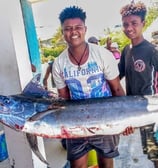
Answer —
40 115
32 140
35 89
15 123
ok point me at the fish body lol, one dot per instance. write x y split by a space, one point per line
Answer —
34 113
78 118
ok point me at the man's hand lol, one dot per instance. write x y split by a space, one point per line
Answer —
128 131
52 94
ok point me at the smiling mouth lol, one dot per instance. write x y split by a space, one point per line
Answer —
130 33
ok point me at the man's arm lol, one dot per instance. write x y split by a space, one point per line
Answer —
46 76
116 87
64 93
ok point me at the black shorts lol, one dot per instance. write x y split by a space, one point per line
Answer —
105 146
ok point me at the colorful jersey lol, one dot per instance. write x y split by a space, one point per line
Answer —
91 80
139 65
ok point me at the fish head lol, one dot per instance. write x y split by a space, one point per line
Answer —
11 112
8 105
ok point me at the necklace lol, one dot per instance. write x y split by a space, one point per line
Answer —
78 62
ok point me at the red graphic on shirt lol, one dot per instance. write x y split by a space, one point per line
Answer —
139 65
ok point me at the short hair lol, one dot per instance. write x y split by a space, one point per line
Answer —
71 13
138 9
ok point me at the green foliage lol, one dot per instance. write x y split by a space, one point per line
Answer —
49 54
151 16
56 46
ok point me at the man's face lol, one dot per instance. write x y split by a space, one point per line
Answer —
74 31
132 26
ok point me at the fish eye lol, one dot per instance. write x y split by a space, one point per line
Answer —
6 101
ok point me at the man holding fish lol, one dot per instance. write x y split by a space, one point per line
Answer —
84 71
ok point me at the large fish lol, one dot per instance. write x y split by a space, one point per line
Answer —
80 118
35 113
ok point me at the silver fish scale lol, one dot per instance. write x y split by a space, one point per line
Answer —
95 116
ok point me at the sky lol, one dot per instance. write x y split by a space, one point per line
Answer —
101 14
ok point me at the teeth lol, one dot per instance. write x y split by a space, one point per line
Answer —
74 37
130 34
